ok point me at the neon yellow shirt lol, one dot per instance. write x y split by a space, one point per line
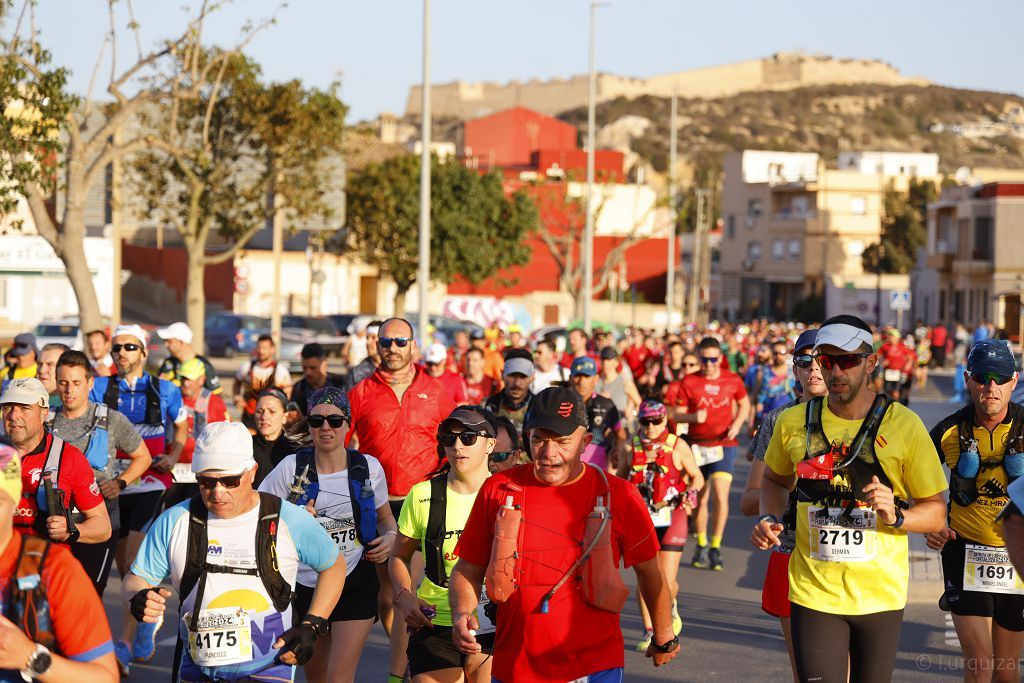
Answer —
23 373
412 523
872 585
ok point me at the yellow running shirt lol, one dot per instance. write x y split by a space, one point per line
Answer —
412 523
876 578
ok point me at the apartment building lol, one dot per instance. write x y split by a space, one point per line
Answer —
973 266
795 232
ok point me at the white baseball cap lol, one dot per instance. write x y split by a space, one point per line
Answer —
518 366
29 391
224 447
131 331
179 331
436 353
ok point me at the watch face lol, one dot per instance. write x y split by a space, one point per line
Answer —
41 663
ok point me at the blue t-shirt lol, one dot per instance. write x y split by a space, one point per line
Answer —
300 539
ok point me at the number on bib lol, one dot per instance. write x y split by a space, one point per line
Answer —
987 569
223 637
706 455
342 532
835 537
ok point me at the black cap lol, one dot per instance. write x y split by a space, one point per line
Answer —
991 355
469 419
476 334
609 352
557 409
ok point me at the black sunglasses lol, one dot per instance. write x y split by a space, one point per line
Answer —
317 421
447 439
803 360
400 342
231 482
707 359
648 421
983 378
845 361
127 347
501 456
691 365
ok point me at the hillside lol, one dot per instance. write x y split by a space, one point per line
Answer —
964 127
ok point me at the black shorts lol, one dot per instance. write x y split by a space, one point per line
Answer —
358 600
432 649
138 510
96 559
725 465
1007 610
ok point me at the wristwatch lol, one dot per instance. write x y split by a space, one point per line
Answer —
121 483
73 535
38 664
667 646
899 518
768 518
321 627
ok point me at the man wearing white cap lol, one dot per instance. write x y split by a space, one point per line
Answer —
856 459
513 401
237 623
178 340
436 362
154 407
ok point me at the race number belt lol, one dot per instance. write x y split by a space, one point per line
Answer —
484 623
987 569
222 637
893 375
662 516
342 532
706 455
119 466
839 537
183 473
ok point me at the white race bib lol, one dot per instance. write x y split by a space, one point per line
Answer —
838 538
183 473
223 637
987 569
706 455
892 375
662 516
342 532
119 466
484 624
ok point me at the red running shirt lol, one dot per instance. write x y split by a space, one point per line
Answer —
574 639
717 396
74 478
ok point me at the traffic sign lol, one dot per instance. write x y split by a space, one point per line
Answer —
899 300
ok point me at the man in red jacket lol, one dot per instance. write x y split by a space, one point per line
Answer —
395 415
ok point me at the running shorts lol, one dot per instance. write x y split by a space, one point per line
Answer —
673 537
775 594
358 599
96 559
138 510
1007 610
723 465
432 649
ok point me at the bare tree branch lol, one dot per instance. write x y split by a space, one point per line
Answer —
212 260
44 225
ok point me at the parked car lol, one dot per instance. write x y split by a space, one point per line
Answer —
228 334
59 331
323 330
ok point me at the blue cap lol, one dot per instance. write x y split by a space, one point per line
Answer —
806 339
991 355
584 366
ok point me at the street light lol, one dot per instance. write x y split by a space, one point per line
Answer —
588 230
423 274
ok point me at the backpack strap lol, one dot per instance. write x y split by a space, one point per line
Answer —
112 393
816 443
196 547
433 539
364 512
279 590
28 607
154 416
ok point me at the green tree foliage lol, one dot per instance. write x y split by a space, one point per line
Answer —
219 156
476 231
903 228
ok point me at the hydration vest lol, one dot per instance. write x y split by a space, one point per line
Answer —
51 468
433 538
27 606
814 482
267 563
112 395
963 490
96 449
307 486
654 479
199 411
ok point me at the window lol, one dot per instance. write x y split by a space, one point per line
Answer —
754 251
753 208
730 226
982 238
794 248
858 206
778 250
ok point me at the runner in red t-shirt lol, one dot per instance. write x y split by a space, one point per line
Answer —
558 637
715 404
479 387
897 364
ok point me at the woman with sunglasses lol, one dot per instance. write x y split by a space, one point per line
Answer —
337 653
667 476
466 439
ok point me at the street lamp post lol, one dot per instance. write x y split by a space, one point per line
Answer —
423 274
670 275
588 230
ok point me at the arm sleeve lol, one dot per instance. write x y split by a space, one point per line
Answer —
79 621
315 547
123 435
474 544
152 562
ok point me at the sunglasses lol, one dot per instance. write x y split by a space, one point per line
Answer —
317 421
803 361
210 483
844 361
983 378
648 421
502 456
127 347
447 439
400 342
691 365
706 359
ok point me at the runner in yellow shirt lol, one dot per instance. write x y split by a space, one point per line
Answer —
856 459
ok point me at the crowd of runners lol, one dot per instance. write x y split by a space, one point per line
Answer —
480 496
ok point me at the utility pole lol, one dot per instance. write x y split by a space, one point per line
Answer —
115 236
697 257
705 261
588 229
423 274
278 249
670 274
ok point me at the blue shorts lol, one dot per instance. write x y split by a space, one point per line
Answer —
606 676
723 465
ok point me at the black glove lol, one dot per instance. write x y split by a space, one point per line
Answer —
299 641
138 603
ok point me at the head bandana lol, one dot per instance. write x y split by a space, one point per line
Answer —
332 396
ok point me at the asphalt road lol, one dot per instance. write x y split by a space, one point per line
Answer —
725 634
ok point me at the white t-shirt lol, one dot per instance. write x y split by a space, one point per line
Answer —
333 507
543 380
261 375
357 351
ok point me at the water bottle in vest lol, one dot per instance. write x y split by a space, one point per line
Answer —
602 586
501 570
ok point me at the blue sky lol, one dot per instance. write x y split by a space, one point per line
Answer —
374 46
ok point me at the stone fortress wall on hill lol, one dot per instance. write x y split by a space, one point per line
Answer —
781 71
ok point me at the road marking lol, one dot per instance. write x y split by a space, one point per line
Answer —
952 640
